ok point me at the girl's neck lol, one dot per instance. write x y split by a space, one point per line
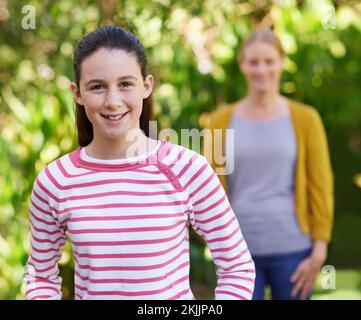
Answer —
119 148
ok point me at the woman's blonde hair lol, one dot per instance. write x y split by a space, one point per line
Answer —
262 35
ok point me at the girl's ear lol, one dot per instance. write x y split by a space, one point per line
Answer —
76 93
148 86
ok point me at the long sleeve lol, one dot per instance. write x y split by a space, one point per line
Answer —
42 280
214 220
319 179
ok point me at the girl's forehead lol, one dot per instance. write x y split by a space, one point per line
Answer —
110 62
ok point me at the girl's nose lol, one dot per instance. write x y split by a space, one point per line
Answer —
113 98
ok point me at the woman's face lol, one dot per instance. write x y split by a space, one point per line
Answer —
112 90
262 66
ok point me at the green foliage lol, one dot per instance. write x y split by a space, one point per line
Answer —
192 48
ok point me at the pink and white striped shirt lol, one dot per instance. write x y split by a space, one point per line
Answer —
128 224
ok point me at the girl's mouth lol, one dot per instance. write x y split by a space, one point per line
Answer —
114 118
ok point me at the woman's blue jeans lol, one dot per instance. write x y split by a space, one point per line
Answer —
276 271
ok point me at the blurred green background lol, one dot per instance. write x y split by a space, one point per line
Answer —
192 47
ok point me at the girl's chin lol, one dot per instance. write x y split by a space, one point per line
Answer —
124 133
114 133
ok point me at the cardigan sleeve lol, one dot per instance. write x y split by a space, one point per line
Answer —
216 133
42 280
214 220
319 179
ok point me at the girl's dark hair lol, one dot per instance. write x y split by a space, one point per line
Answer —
109 37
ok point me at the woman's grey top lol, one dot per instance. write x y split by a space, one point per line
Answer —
261 186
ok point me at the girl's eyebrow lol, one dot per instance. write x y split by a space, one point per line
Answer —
127 77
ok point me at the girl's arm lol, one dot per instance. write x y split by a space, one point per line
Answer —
42 280
214 220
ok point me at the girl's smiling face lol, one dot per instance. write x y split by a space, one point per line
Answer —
112 89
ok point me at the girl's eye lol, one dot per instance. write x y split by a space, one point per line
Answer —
125 84
97 87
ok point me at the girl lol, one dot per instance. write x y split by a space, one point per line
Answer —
281 188
125 200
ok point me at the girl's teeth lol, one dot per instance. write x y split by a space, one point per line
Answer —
114 117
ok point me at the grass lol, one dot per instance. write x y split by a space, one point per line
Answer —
348 286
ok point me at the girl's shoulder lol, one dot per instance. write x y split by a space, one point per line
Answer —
50 172
179 154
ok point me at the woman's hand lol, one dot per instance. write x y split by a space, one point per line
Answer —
304 277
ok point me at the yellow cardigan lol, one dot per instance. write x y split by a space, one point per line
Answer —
313 175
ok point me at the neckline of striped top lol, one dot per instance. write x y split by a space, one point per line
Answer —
81 160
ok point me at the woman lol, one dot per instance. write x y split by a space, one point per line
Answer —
126 201
281 186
